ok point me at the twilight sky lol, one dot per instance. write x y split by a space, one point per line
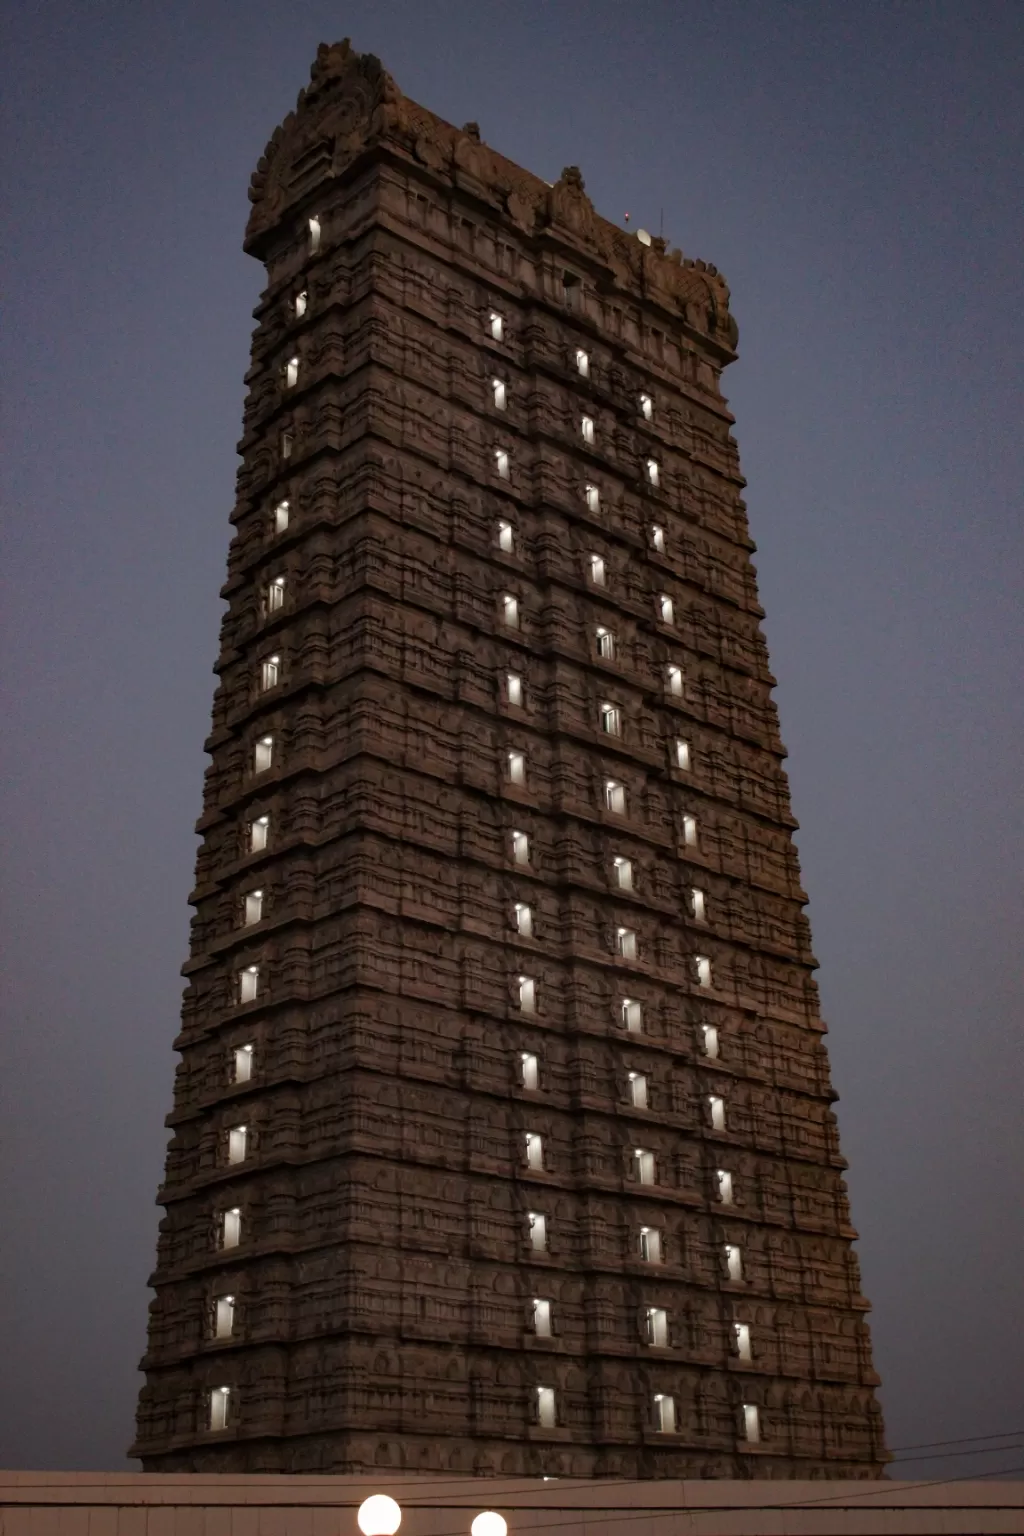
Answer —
855 169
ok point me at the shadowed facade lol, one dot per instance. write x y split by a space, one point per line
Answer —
503 1138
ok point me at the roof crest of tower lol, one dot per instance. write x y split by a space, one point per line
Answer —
352 103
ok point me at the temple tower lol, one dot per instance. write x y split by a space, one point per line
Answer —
502 1133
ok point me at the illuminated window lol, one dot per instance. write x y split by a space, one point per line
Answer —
501 463
253 907
593 497
674 681
231 1228
710 1041
282 513
605 643
248 984
542 1317
223 1317
690 831
751 1424
263 754
287 444
527 993
698 905
725 1189
651 470
520 848
666 609
301 304
582 363
656 1326
220 1399
275 594
546 1407
538 1224
270 672
496 326
529 1070
625 943
587 428
650 1245
505 536
611 719
646 407
734 1261
643 1162
716 1109
638 1090
682 753
598 572
514 688
522 917
614 796
238 1143
259 832
622 871
632 1014
241 1057
291 373
534 1150
664 1413
657 538
510 611
741 1333
314 236
703 965
517 767
499 393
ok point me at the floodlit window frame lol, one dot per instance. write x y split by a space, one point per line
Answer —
270 672
615 797
520 848
516 767
253 908
607 644
622 869
631 1013
592 497
611 718
259 833
526 994
588 430
598 570
522 919
499 394
502 464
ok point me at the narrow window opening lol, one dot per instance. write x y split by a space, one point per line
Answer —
287 443
674 680
500 394
542 1317
653 476
314 236
587 428
646 407
291 373
716 1110
517 767
253 908
625 943
710 1041
582 363
682 753
520 848
506 538
538 1226
282 514
622 869
534 1150
657 538
751 1424
301 304
656 1327
510 611
224 1317
231 1228
690 831
546 1407
270 672
741 1333
514 688
522 917
664 1413
666 609
698 905
275 594
593 498
248 984
611 719
632 1015
259 833
598 571
643 1161
529 1070
638 1090
605 643
242 1063
527 993
650 1245
220 1398
614 797
734 1261
263 754
725 1189
238 1143
501 463
703 965
496 326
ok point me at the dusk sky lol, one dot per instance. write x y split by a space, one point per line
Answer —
856 171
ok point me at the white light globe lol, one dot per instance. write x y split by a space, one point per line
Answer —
489 1524
379 1516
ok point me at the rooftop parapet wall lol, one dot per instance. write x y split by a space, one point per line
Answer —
352 105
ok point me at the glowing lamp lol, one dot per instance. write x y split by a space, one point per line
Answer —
489 1524
379 1516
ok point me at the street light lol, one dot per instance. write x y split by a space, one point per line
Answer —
379 1515
489 1524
